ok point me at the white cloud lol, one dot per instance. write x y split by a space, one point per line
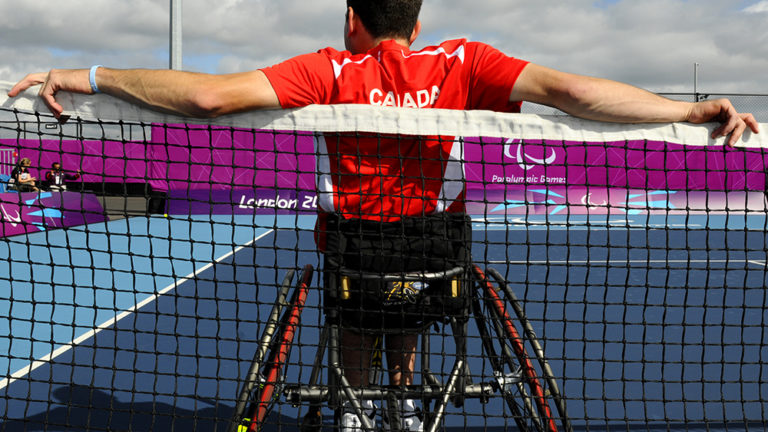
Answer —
652 43
760 7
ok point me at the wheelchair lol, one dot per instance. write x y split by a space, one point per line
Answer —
521 376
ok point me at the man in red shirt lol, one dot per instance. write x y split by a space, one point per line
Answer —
368 178
379 68
454 75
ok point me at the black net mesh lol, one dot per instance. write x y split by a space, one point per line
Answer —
178 276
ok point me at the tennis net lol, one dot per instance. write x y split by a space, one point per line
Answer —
134 297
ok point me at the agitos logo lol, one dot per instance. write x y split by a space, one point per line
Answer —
13 219
525 160
32 211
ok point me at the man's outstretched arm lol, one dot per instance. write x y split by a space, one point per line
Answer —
611 101
182 93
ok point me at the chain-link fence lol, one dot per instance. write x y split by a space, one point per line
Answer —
757 104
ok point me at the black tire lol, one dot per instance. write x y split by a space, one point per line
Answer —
529 401
497 364
266 377
553 390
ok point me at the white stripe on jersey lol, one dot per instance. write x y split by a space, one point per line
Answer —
453 177
458 53
338 67
439 51
324 180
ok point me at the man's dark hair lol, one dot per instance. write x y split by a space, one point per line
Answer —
387 18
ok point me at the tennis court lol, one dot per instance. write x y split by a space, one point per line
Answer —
159 340
164 355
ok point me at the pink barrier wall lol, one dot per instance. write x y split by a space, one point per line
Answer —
183 159
32 212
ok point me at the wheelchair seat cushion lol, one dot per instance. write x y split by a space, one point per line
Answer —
433 243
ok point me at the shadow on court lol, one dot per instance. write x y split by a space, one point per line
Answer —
88 408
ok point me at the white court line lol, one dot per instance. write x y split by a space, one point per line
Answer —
26 370
606 262
570 226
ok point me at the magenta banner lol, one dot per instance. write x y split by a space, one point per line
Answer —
241 201
579 200
99 161
203 158
528 200
620 164
224 166
32 211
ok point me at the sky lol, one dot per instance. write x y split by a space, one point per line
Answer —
653 44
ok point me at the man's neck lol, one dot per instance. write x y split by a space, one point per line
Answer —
376 42
403 42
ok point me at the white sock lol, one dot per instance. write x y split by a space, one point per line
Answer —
368 406
408 405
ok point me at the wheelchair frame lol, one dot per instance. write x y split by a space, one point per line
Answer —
515 377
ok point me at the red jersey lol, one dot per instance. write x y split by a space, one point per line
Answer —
386 178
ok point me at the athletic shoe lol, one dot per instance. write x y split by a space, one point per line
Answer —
412 421
410 417
350 422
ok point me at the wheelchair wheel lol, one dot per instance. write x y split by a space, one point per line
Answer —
529 401
266 377
553 390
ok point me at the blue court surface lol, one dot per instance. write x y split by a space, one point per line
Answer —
152 331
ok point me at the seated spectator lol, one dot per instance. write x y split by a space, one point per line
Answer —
56 177
21 179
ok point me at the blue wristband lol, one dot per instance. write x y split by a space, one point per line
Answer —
92 78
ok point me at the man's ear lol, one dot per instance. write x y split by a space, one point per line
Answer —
415 32
352 21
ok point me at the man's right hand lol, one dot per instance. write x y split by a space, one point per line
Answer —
70 80
181 93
